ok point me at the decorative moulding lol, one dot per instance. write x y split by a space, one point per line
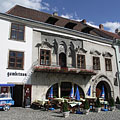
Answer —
107 54
80 50
95 52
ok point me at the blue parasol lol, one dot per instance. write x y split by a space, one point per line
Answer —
89 91
51 92
103 92
71 93
77 94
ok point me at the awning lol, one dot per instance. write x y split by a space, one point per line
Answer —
7 85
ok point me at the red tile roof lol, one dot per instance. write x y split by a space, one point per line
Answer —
43 17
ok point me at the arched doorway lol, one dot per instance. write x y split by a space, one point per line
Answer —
62 59
106 89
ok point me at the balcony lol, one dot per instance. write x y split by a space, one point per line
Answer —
51 69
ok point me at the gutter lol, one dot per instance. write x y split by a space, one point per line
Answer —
38 24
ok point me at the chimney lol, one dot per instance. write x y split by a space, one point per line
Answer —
55 14
117 31
84 21
101 27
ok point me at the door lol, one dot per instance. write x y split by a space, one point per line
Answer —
18 95
27 95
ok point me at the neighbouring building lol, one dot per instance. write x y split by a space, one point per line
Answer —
39 50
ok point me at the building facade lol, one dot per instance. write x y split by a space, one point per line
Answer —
39 55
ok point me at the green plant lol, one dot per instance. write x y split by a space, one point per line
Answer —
65 106
97 103
111 102
117 100
86 105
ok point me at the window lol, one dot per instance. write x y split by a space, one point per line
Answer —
81 61
51 20
17 32
108 64
96 63
70 25
45 57
16 60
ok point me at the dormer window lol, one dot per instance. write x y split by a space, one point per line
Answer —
70 25
87 29
51 20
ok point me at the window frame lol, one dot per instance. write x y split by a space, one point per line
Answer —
81 67
106 67
97 64
45 50
18 30
15 66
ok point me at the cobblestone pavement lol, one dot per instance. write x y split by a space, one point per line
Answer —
18 113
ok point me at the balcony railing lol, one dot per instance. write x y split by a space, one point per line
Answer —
89 70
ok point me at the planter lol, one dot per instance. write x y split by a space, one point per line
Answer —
112 108
66 114
97 109
86 111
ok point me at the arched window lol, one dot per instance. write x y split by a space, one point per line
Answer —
62 59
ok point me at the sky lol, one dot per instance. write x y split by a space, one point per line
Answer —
95 12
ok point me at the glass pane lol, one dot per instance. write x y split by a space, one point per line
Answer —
47 57
14 26
19 54
42 61
12 65
14 34
42 52
21 36
12 54
19 65
47 62
12 59
47 52
19 61
21 27
42 57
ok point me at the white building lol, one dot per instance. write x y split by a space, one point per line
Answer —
43 50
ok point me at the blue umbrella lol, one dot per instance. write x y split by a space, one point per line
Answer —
103 92
51 92
71 93
77 94
89 91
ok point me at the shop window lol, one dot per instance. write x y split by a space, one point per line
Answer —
81 61
16 60
108 64
45 57
17 32
96 63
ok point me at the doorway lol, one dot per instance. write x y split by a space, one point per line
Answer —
18 95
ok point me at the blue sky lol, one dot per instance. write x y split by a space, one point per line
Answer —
96 12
